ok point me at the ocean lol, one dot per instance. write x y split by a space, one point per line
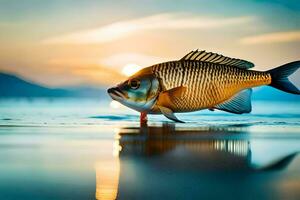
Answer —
90 149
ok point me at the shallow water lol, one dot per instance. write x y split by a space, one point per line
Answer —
75 149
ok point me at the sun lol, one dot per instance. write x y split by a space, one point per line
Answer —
130 69
114 104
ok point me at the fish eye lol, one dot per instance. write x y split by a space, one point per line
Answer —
134 84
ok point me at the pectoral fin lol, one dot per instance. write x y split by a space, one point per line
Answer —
165 101
177 92
167 112
166 98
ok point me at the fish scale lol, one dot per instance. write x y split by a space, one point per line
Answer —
207 83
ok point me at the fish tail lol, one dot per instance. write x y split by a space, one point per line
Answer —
279 77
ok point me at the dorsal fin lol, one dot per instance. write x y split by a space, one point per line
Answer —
217 58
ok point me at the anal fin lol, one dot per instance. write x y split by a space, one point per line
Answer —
238 104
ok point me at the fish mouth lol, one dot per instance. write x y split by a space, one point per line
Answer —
116 94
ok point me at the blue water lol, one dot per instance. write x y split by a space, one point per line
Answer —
84 149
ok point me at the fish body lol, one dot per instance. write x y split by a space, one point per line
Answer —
200 80
206 84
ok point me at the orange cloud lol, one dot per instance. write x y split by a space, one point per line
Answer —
99 75
88 70
122 59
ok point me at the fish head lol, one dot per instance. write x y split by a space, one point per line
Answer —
139 92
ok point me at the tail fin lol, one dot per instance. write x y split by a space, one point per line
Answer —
281 163
280 76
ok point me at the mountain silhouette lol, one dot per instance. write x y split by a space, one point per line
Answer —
14 86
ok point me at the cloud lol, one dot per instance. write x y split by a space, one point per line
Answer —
164 21
120 60
278 37
99 75
86 70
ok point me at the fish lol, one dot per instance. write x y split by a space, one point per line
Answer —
200 80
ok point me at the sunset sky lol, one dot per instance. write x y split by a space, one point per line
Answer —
64 42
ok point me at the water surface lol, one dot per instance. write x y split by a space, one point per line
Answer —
75 149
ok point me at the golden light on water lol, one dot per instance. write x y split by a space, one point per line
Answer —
130 69
108 172
116 148
107 179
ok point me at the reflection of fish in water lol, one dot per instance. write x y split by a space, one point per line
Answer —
199 80
185 156
194 149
